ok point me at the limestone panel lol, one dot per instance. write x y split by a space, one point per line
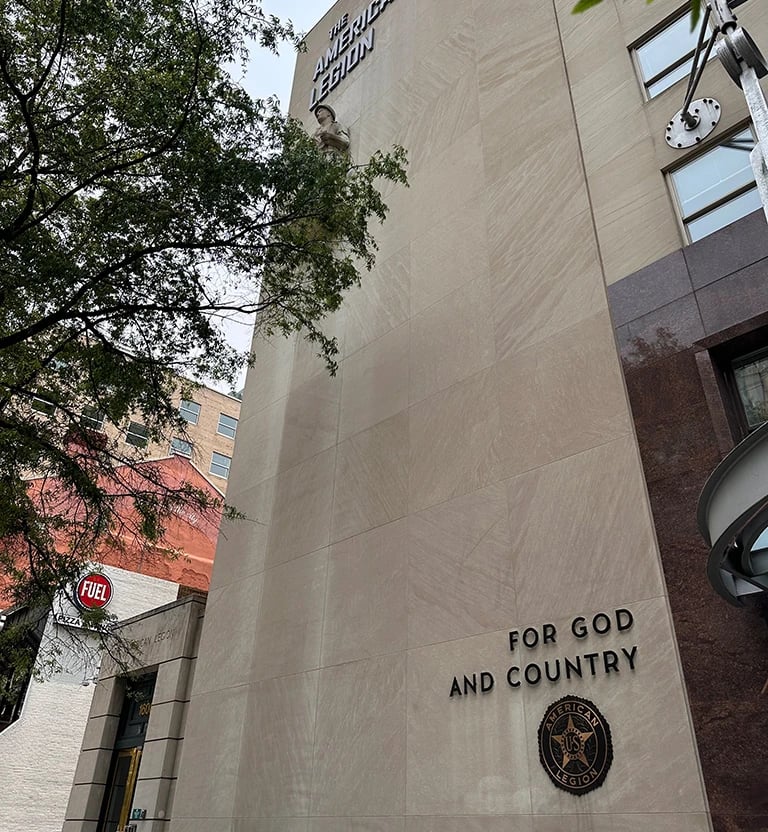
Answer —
478 741
100 732
230 622
271 825
658 822
357 825
581 535
93 766
242 547
449 255
524 82
539 290
653 748
159 757
375 382
300 518
205 825
561 397
307 361
397 228
262 435
396 53
536 193
434 195
166 720
635 221
288 627
501 823
454 441
276 765
173 680
451 340
269 377
365 608
359 763
311 419
445 119
210 758
435 22
460 576
444 90
380 304
607 94
293 428
371 478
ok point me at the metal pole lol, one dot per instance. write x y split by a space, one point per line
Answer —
759 112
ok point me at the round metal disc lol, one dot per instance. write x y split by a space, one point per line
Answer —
704 114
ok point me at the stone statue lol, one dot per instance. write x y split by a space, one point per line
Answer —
331 137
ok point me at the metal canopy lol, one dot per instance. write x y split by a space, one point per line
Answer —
732 514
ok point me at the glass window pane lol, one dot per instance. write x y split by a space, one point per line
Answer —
43 406
724 215
762 541
181 447
137 435
672 77
189 411
92 418
220 464
668 46
752 384
227 425
712 176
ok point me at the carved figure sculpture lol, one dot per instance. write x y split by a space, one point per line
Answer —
331 137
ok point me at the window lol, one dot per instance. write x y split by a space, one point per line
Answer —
43 406
189 411
717 188
14 682
92 418
668 56
227 425
137 435
180 447
751 376
220 465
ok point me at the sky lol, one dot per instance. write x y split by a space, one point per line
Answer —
270 75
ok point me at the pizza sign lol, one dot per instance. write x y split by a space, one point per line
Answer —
94 591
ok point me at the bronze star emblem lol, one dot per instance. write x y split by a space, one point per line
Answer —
575 745
572 742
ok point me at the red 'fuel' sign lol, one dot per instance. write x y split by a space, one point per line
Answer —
94 591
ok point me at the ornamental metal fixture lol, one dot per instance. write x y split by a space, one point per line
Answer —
745 64
732 516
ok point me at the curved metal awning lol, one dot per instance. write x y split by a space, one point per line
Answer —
732 516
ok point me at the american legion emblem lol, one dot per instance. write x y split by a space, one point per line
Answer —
575 745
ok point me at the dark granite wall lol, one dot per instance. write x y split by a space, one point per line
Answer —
678 323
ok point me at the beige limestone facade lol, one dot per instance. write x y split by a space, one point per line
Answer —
472 471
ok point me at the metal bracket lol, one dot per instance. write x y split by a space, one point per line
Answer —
688 128
737 47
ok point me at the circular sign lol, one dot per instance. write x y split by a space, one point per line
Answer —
94 591
575 745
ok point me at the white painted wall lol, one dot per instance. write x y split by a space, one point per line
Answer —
38 753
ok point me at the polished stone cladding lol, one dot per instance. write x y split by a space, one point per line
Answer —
678 321
471 470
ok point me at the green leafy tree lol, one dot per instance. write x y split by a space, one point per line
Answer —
144 195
